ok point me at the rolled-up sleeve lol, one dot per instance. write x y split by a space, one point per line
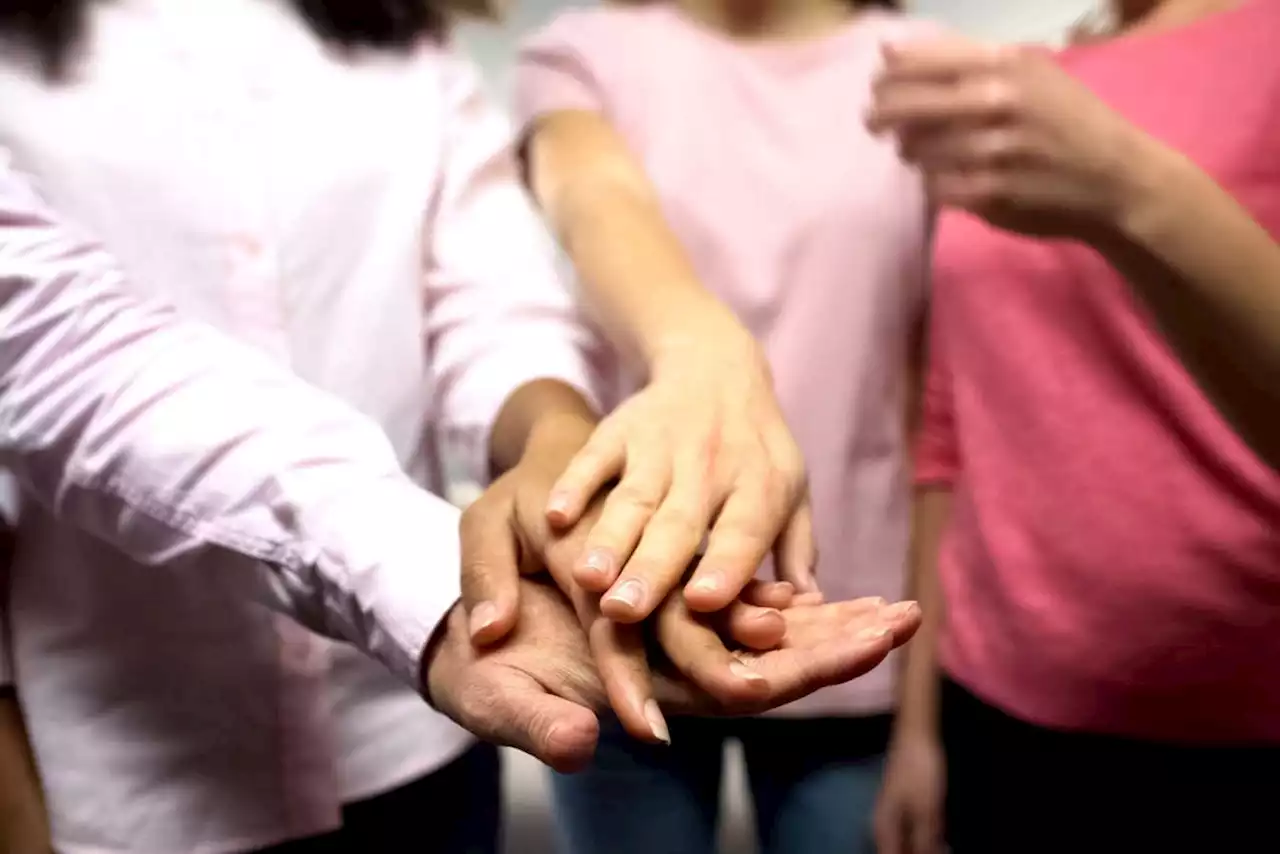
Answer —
163 438
498 314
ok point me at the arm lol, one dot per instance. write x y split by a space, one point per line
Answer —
506 345
731 471
24 827
1210 273
166 439
635 275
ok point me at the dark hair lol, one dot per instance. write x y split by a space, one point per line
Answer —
53 27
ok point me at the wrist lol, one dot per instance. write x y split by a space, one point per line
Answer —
430 653
559 435
713 336
1147 184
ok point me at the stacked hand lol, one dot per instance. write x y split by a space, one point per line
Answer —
730 646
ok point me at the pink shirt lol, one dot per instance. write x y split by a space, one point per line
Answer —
1113 564
810 229
171 442
341 216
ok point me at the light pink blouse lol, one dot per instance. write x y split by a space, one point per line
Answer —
813 231
358 219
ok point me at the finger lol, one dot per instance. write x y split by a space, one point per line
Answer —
808 599
964 149
626 512
699 654
903 620
906 106
768 594
809 625
796 552
667 547
490 571
795 672
943 58
742 536
751 626
597 463
527 717
624 669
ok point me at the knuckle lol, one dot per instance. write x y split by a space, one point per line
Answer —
643 497
999 95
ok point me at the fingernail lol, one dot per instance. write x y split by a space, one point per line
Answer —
742 671
482 617
873 634
629 593
599 563
711 581
657 723
558 502
900 611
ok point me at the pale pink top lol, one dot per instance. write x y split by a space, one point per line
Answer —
361 221
1113 563
164 438
813 232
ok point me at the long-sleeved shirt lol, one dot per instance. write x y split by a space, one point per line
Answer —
359 218
168 440
1113 559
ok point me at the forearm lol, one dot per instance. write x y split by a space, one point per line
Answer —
541 414
24 825
918 686
166 439
1210 275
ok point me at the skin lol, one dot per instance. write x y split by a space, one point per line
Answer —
538 690
1007 135
700 454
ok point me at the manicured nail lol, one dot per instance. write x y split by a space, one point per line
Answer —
742 671
874 634
629 593
657 723
599 563
482 617
711 581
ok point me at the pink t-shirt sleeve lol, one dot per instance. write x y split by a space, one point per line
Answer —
557 68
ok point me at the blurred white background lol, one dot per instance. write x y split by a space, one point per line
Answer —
529 829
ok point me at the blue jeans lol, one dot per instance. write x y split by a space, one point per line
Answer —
814 783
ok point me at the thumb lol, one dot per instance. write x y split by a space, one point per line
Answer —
490 570
796 553
559 733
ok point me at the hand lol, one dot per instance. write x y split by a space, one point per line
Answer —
703 441
535 691
1007 134
909 813
824 645
506 531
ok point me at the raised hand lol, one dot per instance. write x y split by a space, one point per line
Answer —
1005 133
